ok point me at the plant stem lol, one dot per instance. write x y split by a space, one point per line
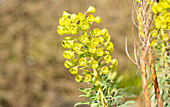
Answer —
155 81
144 78
99 88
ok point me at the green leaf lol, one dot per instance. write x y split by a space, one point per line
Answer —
81 103
83 96
130 102
83 90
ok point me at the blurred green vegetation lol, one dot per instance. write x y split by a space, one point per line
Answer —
31 63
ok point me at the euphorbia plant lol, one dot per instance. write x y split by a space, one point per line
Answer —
89 57
153 24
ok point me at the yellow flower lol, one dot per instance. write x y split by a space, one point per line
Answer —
106 53
60 30
95 41
90 18
65 14
97 32
105 70
84 39
97 19
73 29
82 62
67 43
153 42
154 8
68 64
77 47
107 58
81 16
114 67
78 78
114 62
107 37
73 17
154 33
109 47
68 54
101 40
99 52
165 37
94 64
104 31
64 21
87 78
91 9
85 25
74 70
159 7
92 49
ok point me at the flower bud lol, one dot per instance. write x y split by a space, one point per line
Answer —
109 47
92 49
68 54
97 19
82 62
81 16
94 64
90 18
77 47
84 39
74 70
107 58
87 78
153 42
73 17
68 64
78 78
65 14
101 40
95 41
85 25
104 32
97 32
107 37
91 9
60 30
67 43
114 62
99 52
105 70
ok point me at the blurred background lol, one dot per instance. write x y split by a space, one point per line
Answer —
31 62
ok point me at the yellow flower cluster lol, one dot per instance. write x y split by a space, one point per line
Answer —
162 22
91 50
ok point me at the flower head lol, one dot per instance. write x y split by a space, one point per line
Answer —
94 64
68 54
99 52
87 78
97 19
78 78
74 70
105 70
82 62
107 58
91 9
92 49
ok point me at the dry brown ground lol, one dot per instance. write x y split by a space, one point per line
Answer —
31 63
